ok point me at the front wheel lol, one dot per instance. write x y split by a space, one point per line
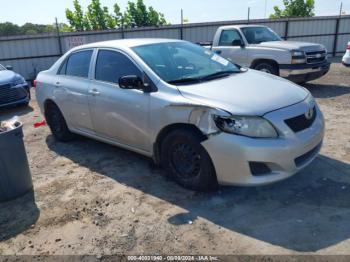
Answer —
187 161
267 68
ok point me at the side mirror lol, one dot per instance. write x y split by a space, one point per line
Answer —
131 82
238 42
8 67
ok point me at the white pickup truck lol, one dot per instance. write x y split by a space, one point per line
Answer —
260 48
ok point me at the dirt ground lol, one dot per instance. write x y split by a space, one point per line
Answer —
92 198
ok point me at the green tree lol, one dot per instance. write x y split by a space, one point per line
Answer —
139 15
30 29
99 18
8 28
295 8
118 16
76 17
97 15
110 20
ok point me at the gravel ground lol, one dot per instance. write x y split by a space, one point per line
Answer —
92 198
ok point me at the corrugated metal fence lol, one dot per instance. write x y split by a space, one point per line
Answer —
30 54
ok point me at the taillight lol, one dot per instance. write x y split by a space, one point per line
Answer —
348 47
34 82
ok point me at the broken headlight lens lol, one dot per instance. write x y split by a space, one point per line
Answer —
257 127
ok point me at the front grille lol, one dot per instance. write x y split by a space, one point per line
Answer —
301 122
303 159
316 56
9 95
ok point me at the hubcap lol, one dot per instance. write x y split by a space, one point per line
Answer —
185 160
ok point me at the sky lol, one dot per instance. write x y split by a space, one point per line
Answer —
45 11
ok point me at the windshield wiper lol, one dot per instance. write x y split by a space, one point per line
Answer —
218 75
185 80
203 78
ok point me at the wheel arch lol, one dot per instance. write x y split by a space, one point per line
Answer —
167 130
264 60
47 103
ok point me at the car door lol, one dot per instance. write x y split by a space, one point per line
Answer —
121 115
71 90
229 47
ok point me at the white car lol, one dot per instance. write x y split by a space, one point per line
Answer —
346 57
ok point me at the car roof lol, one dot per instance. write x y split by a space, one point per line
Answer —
240 26
127 43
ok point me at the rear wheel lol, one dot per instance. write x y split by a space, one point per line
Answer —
267 67
57 123
187 161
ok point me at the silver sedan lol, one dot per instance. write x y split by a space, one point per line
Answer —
204 119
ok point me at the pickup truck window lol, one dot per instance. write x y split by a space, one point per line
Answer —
228 36
183 62
257 35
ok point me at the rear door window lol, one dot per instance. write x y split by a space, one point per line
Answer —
78 64
111 65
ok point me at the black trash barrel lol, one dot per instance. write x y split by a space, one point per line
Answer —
15 177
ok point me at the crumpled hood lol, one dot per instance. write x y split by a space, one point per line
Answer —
293 45
247 93
7 76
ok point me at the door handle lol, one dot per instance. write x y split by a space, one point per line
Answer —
57 84
94 92
218 52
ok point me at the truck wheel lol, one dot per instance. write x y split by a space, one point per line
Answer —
57 124
267 68
187 162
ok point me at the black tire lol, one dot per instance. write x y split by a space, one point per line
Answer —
267 68
187 161
57 123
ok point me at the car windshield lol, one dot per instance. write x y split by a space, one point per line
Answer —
257 35
2 68
183 62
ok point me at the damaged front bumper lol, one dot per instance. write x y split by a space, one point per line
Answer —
237 159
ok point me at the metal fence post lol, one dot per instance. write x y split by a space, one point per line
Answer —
335 43
59 38
182 25
122 27
286 30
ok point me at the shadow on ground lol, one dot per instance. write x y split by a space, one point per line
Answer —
16 216
307 212
327 90
9 112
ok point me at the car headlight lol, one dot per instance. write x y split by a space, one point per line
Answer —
298 57
19 81
251 126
